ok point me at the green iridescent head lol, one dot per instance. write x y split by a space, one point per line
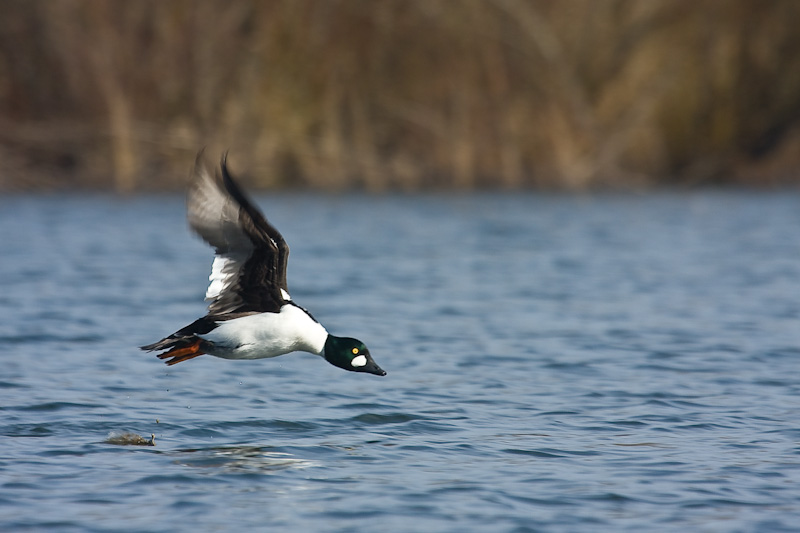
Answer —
350 354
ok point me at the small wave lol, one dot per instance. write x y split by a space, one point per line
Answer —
377 419
57 406
47 337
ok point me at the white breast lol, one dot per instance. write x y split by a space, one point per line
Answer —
268 335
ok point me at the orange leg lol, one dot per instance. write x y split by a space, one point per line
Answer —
179 355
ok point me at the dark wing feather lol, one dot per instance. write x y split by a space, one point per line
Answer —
249 270
259 229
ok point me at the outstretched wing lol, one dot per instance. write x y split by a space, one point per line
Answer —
249 270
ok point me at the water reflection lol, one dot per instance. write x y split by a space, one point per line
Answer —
260 459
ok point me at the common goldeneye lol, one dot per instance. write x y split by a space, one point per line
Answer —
251 315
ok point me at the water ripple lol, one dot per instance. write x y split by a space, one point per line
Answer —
556 363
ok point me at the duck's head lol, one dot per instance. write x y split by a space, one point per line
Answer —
350 354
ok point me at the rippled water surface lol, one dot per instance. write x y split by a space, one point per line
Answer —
555 363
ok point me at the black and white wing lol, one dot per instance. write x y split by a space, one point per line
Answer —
249 270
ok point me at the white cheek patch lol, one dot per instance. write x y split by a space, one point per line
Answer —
285 295
359 360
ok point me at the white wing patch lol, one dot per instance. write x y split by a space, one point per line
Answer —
220 276
223 270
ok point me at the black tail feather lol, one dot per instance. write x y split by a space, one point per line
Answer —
184 336
168 343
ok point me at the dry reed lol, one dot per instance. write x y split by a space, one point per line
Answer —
398 94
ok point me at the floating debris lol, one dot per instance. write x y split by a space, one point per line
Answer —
130 439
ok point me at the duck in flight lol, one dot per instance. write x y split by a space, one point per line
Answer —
251 315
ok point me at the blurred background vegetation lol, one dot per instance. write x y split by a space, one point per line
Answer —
401 94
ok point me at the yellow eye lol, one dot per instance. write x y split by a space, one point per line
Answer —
355 351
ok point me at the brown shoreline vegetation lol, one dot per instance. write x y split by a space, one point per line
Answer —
401 94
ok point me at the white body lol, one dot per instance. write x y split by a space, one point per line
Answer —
267 335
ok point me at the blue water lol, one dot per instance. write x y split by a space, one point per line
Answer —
555 363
